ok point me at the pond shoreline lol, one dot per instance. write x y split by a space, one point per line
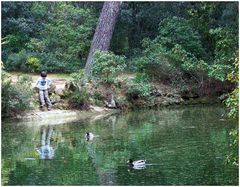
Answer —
57 116
163 96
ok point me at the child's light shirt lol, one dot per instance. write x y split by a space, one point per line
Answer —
42 84
46 152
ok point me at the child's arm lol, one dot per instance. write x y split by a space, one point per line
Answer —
36 84
49 81
39 152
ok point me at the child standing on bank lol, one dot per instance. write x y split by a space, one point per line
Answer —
42 84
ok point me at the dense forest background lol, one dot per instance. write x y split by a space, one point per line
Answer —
56 36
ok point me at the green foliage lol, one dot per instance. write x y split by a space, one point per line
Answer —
233 157
16 97
181 45
78 95
141 77
138 20
177 30
98 99
225 44
225 47
57 33
178 56
36 45
33 64
232 103
217 24
172 56
106 66
187 61
19 25
139 87
67 38
17 61
219 71
207 16
177 46
79 98
77 78
154 61
22 61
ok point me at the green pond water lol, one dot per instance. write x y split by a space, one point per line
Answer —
181 145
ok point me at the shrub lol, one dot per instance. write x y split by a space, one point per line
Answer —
78 95
155 64
175 51
79 98
177 55
33 64
16 97
60 38
226 45
139 87
176 30
77 77
232 102
106 66
17 61
98 99
67 37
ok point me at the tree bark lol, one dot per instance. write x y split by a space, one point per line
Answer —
103 33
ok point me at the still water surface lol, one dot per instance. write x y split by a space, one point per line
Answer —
182 146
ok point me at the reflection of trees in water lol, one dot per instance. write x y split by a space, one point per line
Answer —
104 164
100 160
161 126
18 143
156 137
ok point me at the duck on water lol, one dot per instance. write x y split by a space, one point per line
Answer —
137 164
90 136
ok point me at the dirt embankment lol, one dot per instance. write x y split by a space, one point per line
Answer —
162 95
57 115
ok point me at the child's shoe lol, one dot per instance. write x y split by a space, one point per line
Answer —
42 108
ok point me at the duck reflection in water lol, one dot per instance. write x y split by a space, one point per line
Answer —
137 167
46 152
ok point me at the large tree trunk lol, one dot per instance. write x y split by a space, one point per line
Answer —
103 34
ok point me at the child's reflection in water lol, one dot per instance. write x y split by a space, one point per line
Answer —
46 151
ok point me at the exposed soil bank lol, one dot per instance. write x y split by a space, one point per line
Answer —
162 95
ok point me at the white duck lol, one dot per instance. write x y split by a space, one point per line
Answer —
137 163
89 136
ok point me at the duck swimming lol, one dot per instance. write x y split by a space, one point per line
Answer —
136 163
89 136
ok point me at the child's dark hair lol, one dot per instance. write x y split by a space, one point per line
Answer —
43 74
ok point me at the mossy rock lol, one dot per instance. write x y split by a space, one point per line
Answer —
51 88
55 98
